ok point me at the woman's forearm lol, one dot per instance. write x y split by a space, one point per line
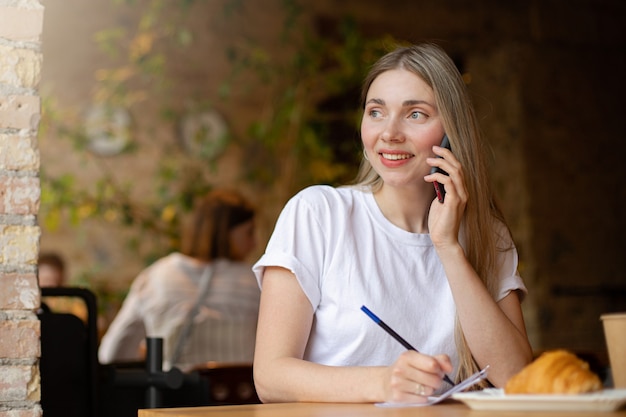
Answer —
291 379
495 332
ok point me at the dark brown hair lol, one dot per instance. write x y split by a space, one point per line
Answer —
206 235
53 259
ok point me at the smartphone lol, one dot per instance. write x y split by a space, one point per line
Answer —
439 188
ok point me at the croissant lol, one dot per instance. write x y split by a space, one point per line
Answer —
554 372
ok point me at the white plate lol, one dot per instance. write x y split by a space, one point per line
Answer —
496 399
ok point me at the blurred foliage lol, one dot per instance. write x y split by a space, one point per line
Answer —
306 131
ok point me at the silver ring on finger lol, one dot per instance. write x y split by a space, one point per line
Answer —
420 390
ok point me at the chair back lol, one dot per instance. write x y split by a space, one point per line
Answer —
229 383
69 363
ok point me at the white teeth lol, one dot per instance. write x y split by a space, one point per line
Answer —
395 156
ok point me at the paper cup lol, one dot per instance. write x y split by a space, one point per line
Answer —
615 334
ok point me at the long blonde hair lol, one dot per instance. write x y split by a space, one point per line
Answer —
483 227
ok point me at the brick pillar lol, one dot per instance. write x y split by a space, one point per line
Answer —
21 23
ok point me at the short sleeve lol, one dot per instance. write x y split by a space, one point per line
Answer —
510 278
298 244
507 264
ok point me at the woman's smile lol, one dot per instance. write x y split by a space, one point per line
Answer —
392 159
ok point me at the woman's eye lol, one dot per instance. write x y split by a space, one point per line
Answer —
417 115
375 113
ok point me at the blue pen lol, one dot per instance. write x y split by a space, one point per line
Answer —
396 336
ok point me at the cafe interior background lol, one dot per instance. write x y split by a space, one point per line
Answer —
148 103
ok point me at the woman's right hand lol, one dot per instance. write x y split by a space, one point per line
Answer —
414 376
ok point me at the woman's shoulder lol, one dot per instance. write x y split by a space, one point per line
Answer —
163 267
503 236
328 196
172 260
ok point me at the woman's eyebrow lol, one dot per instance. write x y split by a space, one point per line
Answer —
408 103
378 101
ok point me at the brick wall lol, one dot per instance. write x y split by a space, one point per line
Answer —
21 24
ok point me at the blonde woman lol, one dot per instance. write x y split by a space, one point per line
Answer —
441 274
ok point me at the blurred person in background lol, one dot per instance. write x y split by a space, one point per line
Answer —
51 270
52 273
203 301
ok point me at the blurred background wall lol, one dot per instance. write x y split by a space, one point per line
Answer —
148 103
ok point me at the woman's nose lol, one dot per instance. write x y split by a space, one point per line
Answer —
393 131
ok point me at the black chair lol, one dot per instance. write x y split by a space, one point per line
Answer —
69 363
229 383
127 387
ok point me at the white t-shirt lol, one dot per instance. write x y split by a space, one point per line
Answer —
159 302
346 254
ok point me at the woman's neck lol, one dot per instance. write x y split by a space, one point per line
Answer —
406 207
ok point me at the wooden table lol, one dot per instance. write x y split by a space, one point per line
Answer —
450 409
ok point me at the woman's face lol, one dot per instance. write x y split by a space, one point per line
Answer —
242 240
400 125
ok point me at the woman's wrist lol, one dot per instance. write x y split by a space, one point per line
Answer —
451 251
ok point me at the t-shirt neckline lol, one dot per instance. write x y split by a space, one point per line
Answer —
395 232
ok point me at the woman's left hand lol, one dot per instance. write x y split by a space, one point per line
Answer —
444 219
